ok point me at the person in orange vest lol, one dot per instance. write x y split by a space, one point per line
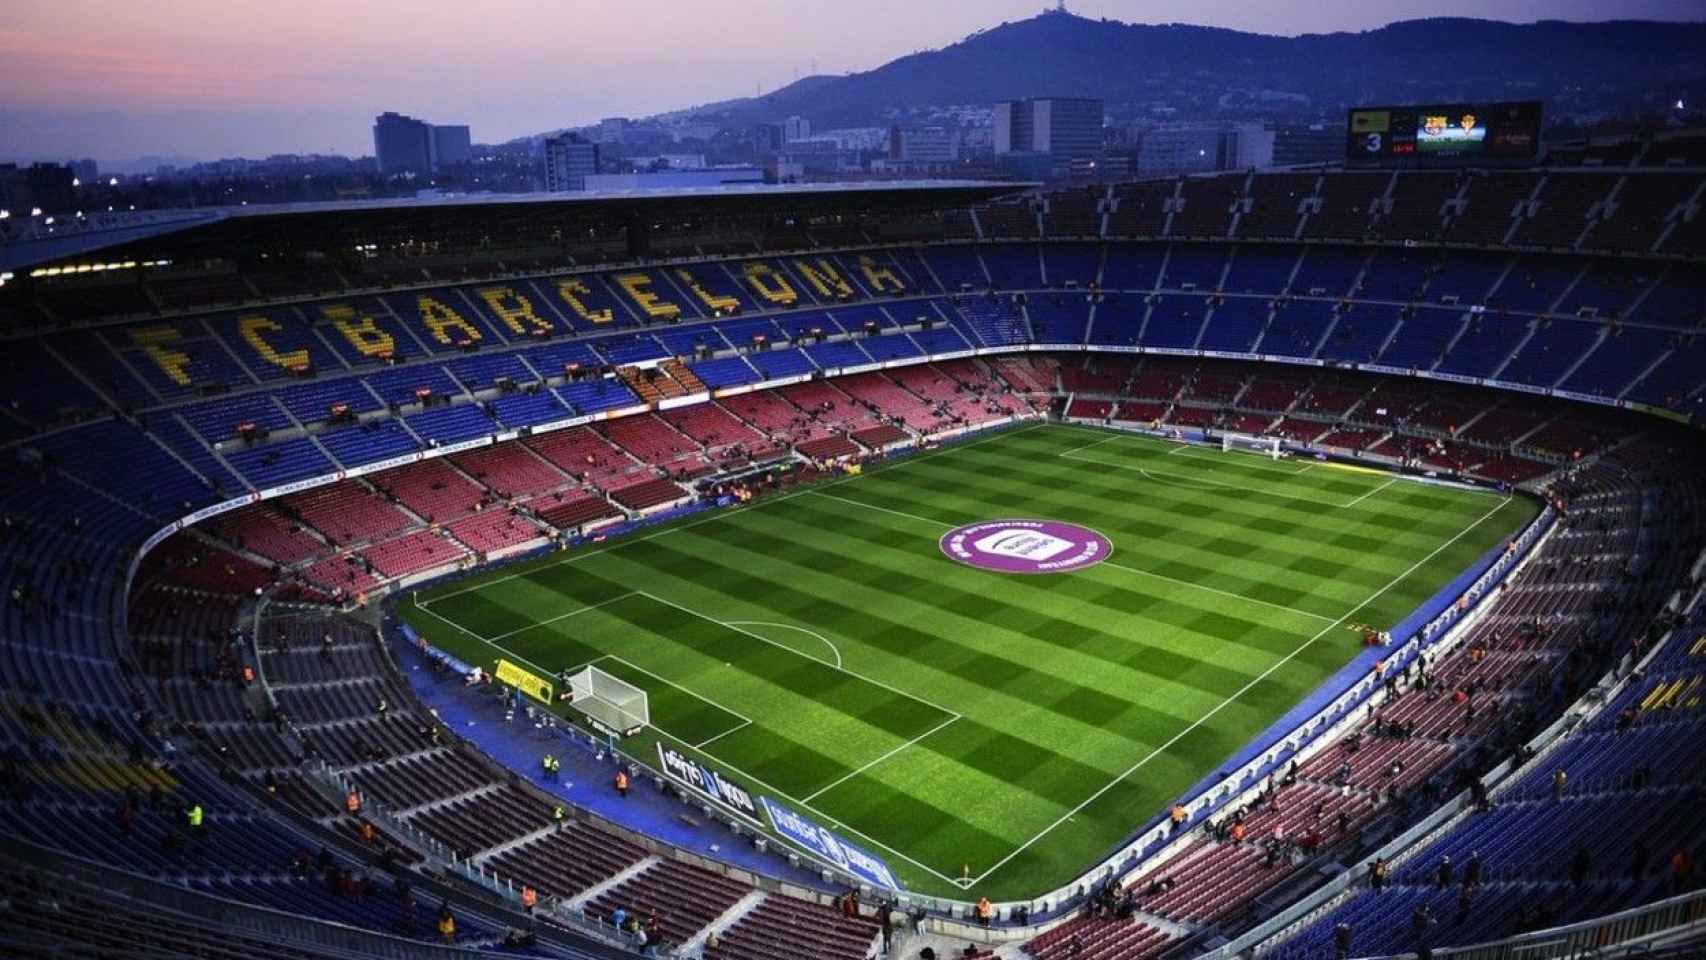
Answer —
352 803
985 911
248 674
622 783
529 899
446 924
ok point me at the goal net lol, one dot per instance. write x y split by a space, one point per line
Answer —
1247 443
615 704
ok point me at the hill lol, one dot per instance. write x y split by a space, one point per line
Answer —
1624 66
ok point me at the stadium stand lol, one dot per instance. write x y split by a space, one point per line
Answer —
132 700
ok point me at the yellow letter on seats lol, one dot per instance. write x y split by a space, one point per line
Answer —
155 342
881 278
716 301
361 330
251 328
824 278
572 290
770 285
638 286
515 310
440 319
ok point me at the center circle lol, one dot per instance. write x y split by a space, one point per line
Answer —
1026 546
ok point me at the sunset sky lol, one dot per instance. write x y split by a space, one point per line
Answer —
205 79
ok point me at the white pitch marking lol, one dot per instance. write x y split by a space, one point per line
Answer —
505 651
565 616
788 626
853 773
1215 590
639 669
734 729
871 506
1372 492
782 646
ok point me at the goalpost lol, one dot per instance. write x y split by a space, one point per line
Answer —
614 704
1249 443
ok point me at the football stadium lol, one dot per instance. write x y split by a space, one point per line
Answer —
1291 563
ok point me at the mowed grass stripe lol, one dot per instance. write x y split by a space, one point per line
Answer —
1424 513
1149 453
1248 565
1063 681
1423 519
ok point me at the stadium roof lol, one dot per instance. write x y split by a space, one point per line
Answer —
218 231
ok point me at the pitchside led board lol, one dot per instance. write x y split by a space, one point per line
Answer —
1461 133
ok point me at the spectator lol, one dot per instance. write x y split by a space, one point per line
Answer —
1472 871
1559 779
446 924
1342 941
1442 877
622 783
1421 920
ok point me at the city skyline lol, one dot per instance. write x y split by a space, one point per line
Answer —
202 81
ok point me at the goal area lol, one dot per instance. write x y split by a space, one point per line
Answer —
614 704
1249 443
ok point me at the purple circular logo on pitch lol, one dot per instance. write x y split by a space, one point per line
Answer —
1026 546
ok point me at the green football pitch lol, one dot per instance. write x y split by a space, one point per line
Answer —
985 732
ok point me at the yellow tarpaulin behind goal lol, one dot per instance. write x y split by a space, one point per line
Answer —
526 681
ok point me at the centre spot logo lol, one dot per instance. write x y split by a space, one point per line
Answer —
1026 546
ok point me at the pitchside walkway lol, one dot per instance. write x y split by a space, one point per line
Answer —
585 780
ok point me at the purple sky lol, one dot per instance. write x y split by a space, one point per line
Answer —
207 78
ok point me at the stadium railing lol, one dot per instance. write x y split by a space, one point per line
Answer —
1640 931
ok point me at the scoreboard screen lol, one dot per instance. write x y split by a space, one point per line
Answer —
1463 132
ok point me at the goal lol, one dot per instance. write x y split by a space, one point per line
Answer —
1248 443
615 704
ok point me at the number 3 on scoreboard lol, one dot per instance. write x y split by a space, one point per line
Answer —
1372 143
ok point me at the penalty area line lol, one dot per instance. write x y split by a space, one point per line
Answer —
502 650
853 773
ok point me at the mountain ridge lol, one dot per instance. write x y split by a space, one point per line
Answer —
1626 63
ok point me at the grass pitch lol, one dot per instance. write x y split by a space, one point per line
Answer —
987 732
